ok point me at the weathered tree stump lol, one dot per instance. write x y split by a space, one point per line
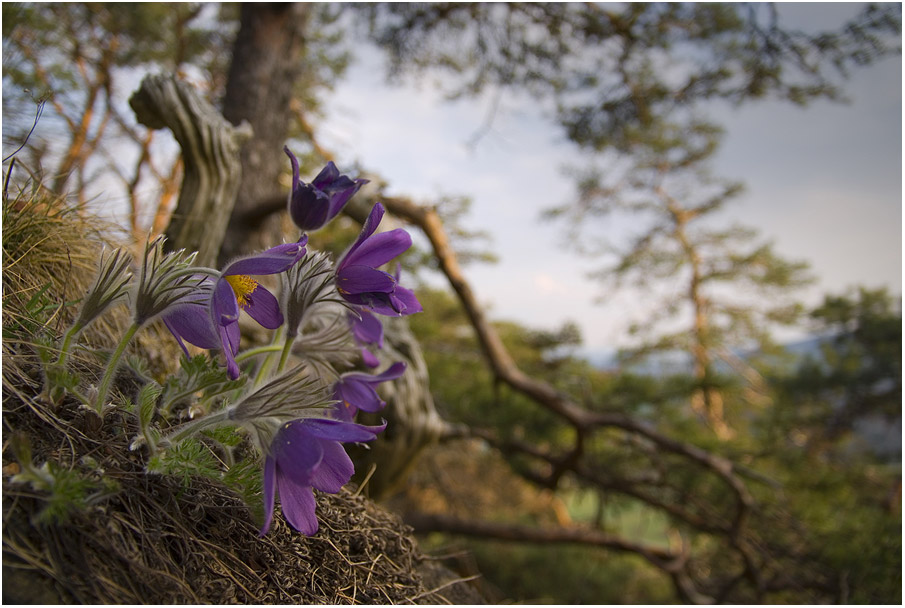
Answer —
413 421
210 150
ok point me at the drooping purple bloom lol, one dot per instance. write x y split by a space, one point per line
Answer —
235 290
367 330
308 454
312 205
190 320
209 316
356 391
357 276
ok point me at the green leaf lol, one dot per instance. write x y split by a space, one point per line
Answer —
199 377
147 402
229 436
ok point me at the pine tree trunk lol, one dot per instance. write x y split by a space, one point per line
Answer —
706 401
263 72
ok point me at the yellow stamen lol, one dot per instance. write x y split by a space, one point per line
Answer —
243 286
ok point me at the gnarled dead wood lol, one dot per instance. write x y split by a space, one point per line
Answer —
210 150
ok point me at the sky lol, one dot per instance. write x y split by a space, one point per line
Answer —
823 183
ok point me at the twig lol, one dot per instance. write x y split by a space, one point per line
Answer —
38 112
444 586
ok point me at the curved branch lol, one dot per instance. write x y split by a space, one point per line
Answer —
506 370
674 564
584 421
504 367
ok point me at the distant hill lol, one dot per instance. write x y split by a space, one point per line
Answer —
872 433
678 362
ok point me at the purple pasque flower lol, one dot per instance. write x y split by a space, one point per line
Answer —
306 454
367 330
356 391
358 279
235 291
209 316
312 205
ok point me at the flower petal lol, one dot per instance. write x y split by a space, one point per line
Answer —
224 307
369 358
405 301
335 470
346 190
380 248
230 341
364 279
295 167
392 372
374 301
367 230
341 185
263 307
298 504
272 261
192 323
309 208
338 430
297 452
354 394
232 337
326 177
366 329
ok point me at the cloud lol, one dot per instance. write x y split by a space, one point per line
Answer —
824 183
548 285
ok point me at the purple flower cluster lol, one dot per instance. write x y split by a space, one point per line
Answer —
356 391
307 453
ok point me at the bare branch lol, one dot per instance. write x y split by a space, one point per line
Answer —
674 564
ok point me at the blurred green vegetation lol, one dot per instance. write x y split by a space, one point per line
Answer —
818 486
571 575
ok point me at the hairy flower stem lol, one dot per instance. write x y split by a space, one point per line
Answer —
110 372
196 426
260 350
67 343
55 386
284 356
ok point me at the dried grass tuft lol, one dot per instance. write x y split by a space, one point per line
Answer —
47 242
159 542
